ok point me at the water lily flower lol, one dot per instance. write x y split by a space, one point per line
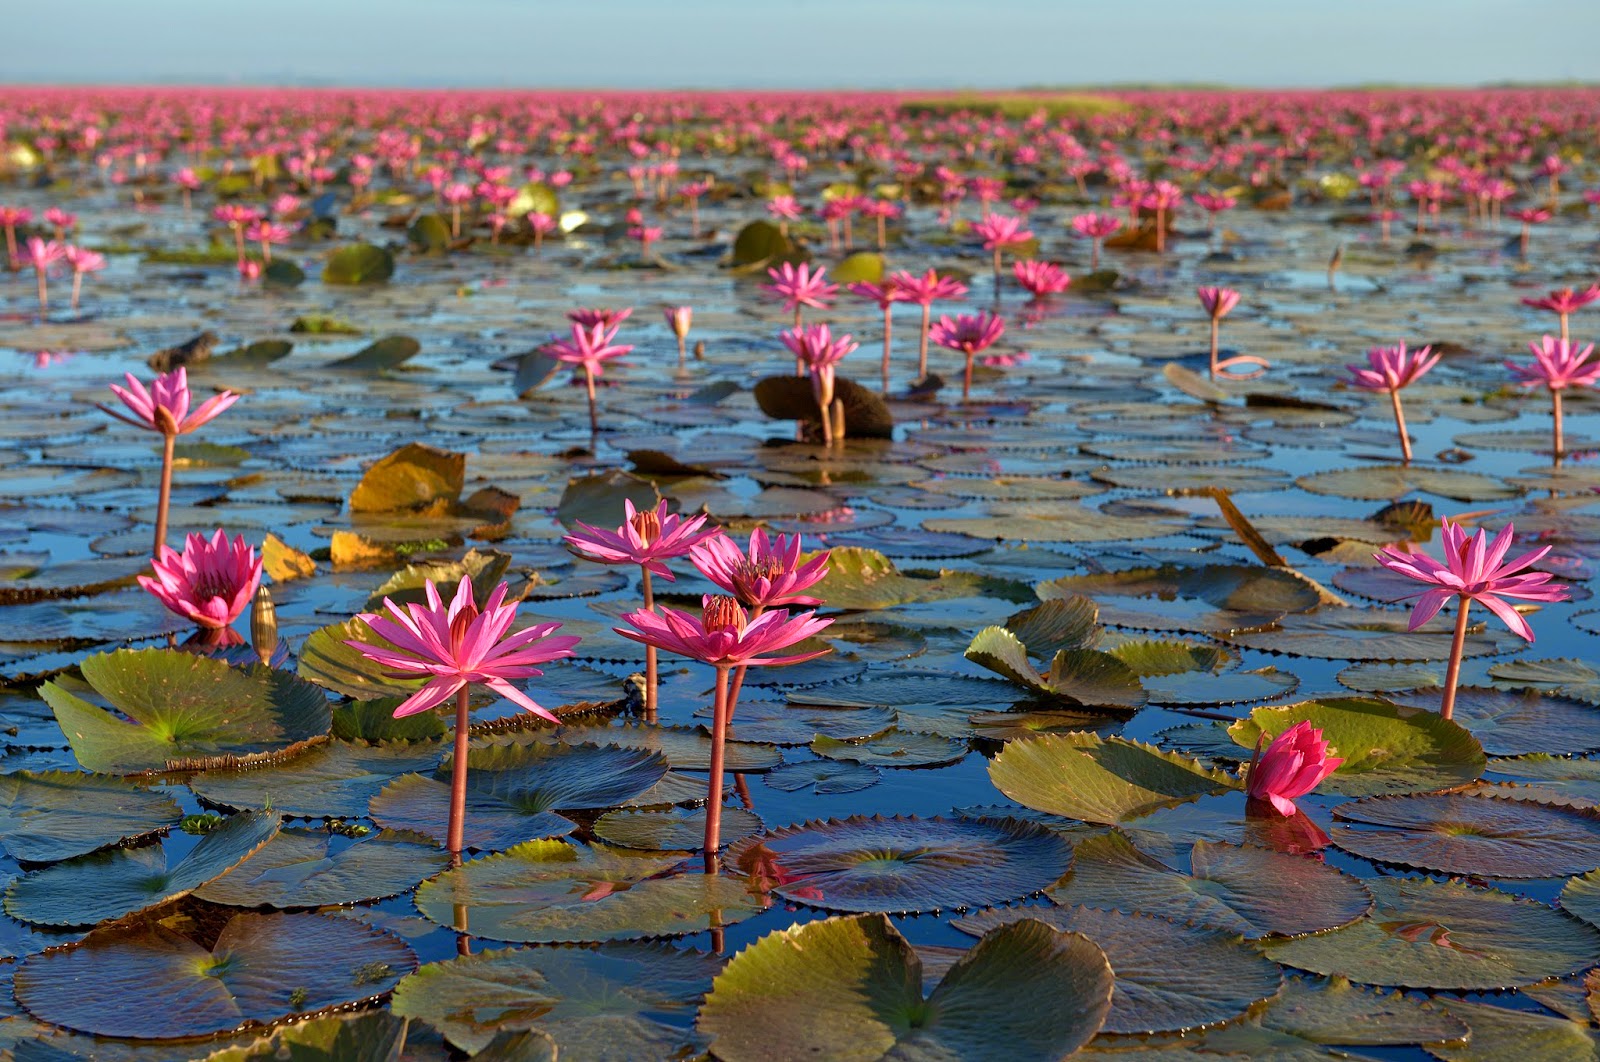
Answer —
968 334
589 348
800 287
1294 764
924 290
1529 216
1040 279
817 351
1391 370
999 232
10 219
42 254
1474 569
1564 302
769 575
211 582
82 262
457 646
1095 228
885 295
679 318
1557 365
63 221
725 637
164 408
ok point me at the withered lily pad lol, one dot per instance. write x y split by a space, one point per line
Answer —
854 993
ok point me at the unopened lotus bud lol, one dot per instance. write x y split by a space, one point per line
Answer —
264 625
700 351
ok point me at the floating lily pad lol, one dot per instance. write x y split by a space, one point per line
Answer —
1566 677
514 790
376 1036
1333 633
1386 748
1169 977
334 780
411 478
60 814
327 660
671 829
900 865
1377 482
1337 1012
184 711
822 777
1108 780
1063 522
777 723
864 579
1085 677
1581 897
1499 1033
893 748
1430 934
684 748
1515 723
1458 833
383 354
1242 889
111 884
263 968
358 263
612 1002
853 992
305 868
1208 599
554 892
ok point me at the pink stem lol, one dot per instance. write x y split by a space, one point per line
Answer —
651 681
164 499
719 731
1400 425
458 780
1452 675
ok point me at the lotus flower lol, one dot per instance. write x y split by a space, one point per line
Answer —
968 334
1391 369
1294 764
211 582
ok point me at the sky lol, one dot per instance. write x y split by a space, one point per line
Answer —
732 44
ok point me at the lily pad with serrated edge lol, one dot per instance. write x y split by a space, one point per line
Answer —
1061 522
59 814
863 580
1460 833
778 723
1581 897
184 710
551 892
673 829
1375 677
1239 888
1067 622
375 1036
1105 780
1430 934
1386 748
1517 722
1169 976
901 865
911 689
1567 677
105 885
262 969
306 868
1499 1033
1204 599
893 748
854 994
1086 677
1388 482
621 1000
328 661
1333 633
334 780
1337 1012
515 789
822 777
685 748
1573 779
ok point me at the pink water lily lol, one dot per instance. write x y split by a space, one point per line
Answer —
1564 302
925 290
801 286
969 334
817 351
1095 228
210 582
1040 279
1294 764
456 646
679 318
999 233
770 574
1391 370
1474 569
1558 365
589 348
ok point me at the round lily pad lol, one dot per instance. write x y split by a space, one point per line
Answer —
1459 833
306 868
1500 1033
184 711
1333 633
1169 977
1242 889
1430 934
671 829
684 748
822 777
55 815
1517 722
893 748
1337 1012
555 892
1581 897
1203 599
853 992
615 1001
333 780
1109 780
1378 482
263 968
93 888
900 865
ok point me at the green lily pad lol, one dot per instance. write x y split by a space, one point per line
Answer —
893 748
1517 722
685 748
1062 522
671 829
304 868
1566 677
553 892
615 1001
411 478
122 981
1169 977
778 723
1572 779
111 884
1500 1033
184 711
358 263
900 865
327 660
376 1036
1208 599
864 266
1386 748
1389 482
1107 780
863 579
333 780
486 568
822 777
597 499
853 992
1337 1012
514 790
379 356
1459 833
1581 897
1242 889
1430 934
1333 633
760 242
1086 677
374 723
56 815
1070 621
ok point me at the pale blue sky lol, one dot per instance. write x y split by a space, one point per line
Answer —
801 43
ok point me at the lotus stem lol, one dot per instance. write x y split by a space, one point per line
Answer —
651 679
1400 425
922 344
1215 336
887 324
966 379
458 779
683 353
719 731
1452 675
169 442
1557 446
77 288
594 413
